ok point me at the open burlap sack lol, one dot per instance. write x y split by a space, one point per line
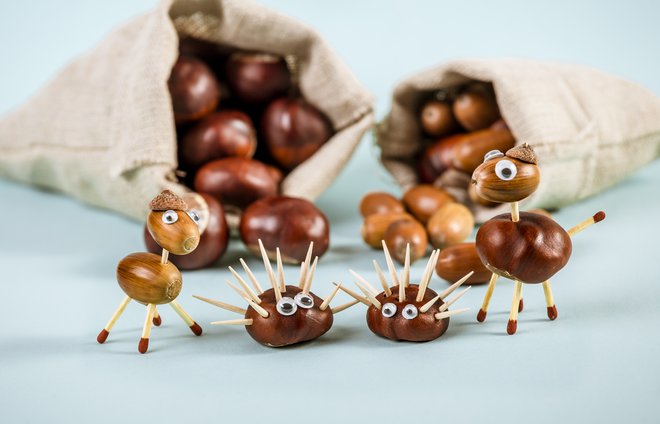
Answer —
589 129
103 130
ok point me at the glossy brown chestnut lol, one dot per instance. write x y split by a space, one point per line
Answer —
278 330
515 180
451 224
531 250
475 198
276 174
228 133
212 242
378 202
401 233
476 109
257 77
423 200
456 261
469 153
437 158
235 181
144 278
289 223
293 130
180 239
437 118
374 226
194 89
422 328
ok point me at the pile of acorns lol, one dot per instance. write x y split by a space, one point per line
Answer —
241 126
461 125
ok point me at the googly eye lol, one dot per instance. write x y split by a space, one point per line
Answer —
506 170
409 312
389 309
304 300
286 306
170 217
493 154
194 216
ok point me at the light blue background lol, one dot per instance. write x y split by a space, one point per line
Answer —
598 361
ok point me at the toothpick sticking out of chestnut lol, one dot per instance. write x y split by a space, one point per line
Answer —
151 279
405 311
523 246
284 314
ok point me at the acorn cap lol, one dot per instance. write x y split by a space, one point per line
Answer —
167 200
524 153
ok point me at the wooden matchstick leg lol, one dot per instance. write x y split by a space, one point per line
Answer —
481 315
157 320
599 216
520 303
549 300
512 326
103 335
194 327
515 212
146 330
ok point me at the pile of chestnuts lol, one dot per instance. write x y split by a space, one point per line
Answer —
460 126
242 125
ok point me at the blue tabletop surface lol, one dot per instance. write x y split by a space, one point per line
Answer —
597 362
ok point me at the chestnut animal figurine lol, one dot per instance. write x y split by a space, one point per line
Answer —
525 247
284 314
151 279
409 312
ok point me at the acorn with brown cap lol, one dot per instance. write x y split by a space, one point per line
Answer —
523 246
151 279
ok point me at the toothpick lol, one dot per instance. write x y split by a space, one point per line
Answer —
515 212
390 264
367 284
280 271
456 285
304 267
222 305
447 314
310 276
340 308
405 274
261 311
425 307
240 292
450 302
354 295
243 284
328 299
269 271
251 276
370 296
428 274
383 280
587 223
233 322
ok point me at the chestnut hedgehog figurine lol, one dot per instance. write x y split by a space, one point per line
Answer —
525 247
284 314
410 312
151 279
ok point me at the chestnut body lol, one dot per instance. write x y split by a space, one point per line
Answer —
468 153
289 223
236 181
279 330
144 278
531 250
423 328
457 260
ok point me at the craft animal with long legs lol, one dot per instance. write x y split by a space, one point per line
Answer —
151 279
405 311
284 314
526 247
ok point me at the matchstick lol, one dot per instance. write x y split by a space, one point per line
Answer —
549 300
512 326
143 346
481 315
194 327
599 216
103 335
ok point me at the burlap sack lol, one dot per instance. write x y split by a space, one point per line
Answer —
103 129
589 129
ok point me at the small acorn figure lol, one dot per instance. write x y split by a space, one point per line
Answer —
526 247
151 279
405 311
284 314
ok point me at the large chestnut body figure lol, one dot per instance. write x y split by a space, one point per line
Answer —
531 250
422 328
286 222
278 330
